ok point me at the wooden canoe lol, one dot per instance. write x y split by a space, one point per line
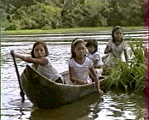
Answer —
44 93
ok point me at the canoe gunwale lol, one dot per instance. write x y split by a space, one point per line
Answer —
60 84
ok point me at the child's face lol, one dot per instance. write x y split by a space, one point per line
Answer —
39 51
80 50
118 34
91 49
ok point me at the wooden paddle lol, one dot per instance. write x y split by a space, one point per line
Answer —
17 72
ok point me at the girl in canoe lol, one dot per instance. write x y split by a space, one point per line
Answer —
93 54
80 66
115 47
41 62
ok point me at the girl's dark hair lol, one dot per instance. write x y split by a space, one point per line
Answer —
92 42
74 43
43 43
113 30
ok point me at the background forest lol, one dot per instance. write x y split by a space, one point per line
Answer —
52 14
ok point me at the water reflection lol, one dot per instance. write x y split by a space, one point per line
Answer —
73 111
111 106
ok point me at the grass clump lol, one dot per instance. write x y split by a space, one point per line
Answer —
129 76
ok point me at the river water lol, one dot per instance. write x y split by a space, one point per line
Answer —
101 36
111 106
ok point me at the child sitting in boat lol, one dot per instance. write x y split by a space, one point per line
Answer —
92 46
41 62
93 54
80 65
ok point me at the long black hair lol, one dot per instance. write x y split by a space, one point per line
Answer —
92 42
74 43
113 30
43 43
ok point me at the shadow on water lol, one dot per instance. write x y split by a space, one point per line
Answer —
76 110
111 106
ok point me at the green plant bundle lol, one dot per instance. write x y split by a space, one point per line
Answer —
129 76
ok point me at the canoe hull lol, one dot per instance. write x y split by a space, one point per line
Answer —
44 93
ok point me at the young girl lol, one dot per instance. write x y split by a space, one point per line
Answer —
115 47
92 47
41 62
80 65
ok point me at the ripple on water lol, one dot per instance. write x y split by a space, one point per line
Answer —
15 109
114 109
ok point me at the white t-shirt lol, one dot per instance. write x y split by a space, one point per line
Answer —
117 50
82 70
48 71
94 57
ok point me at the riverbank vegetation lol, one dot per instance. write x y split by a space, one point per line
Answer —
46 15
129 76
72 30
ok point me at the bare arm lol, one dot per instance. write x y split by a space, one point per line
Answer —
126 55
97 61
94 76
73 77
107 50
41 61
96 65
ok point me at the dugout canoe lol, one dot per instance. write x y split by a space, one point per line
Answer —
44 93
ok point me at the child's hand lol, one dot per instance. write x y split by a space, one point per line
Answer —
100 92
12 52
110 50
82 82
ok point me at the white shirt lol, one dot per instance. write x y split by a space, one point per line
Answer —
82 70
117 50
48 71
94 57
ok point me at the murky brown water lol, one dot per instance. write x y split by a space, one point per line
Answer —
112 106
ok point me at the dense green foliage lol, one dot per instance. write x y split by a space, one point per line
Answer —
46 14
129 76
